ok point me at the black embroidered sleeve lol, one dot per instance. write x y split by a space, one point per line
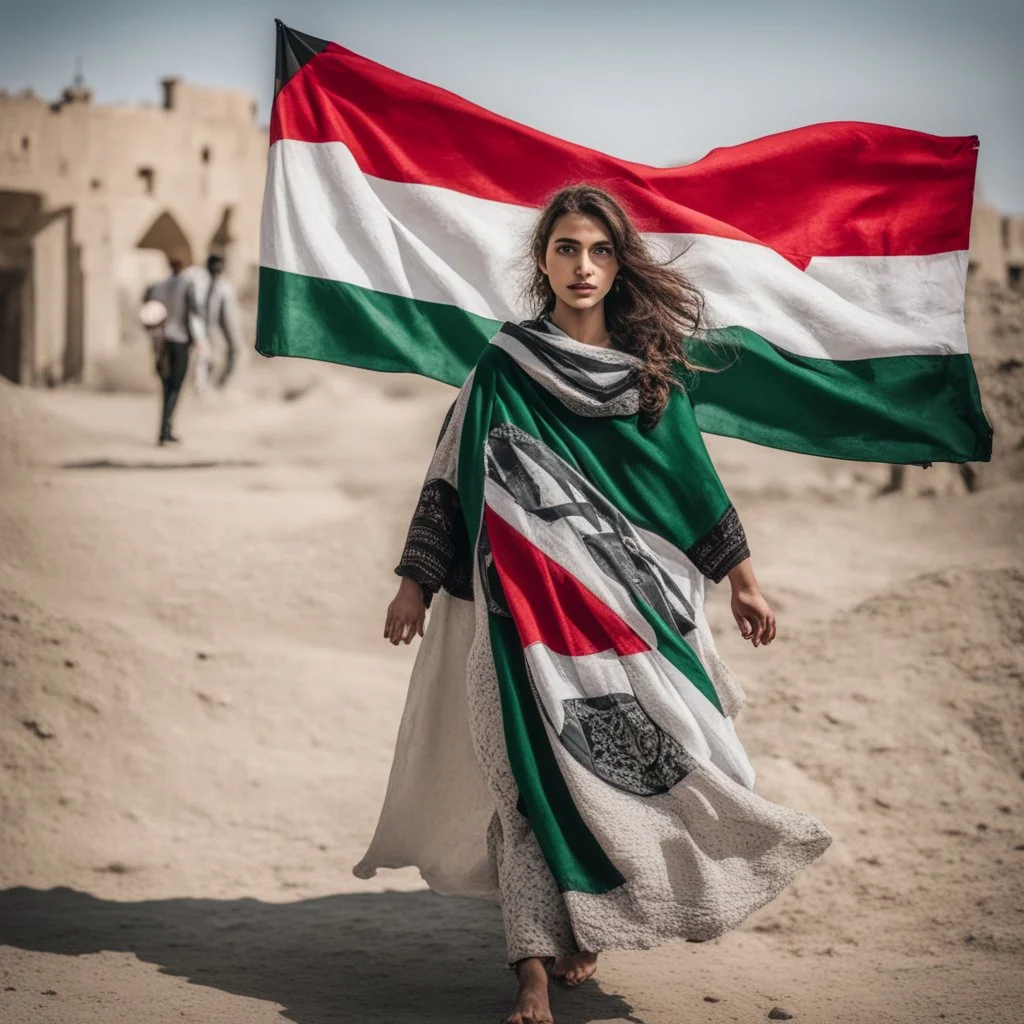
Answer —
437 551
722 548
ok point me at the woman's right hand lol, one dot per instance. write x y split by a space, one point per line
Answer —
406 613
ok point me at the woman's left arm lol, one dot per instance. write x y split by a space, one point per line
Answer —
751 611
723 552
721 548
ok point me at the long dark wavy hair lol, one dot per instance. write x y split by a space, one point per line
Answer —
652 310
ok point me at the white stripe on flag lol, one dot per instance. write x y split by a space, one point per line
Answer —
323 218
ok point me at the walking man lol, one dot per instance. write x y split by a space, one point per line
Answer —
218 307
172 338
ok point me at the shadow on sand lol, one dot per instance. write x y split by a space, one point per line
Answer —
147 465
400 957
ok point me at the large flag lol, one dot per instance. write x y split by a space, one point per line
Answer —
833 257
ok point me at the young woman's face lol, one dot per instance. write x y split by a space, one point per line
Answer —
580 261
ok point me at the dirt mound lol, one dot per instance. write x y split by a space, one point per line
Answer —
904 719
951 645
937 607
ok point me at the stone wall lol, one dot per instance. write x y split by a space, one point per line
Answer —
997 247
127 186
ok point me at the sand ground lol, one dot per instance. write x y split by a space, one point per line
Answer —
197 714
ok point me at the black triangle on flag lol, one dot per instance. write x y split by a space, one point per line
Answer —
294 49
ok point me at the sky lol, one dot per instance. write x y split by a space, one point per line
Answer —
656 81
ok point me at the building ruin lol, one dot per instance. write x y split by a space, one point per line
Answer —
997 247
94 198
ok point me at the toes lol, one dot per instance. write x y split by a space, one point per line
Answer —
578 974
529 1016
570 972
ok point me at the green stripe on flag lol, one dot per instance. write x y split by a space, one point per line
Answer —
314 318
902 409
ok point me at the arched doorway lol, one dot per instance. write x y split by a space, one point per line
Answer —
166 235
40 309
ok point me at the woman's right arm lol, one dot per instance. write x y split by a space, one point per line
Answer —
437 550
432 548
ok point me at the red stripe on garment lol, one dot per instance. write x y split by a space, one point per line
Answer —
839 189
549 605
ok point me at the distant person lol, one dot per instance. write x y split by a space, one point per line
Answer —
202 349
172 336
218 307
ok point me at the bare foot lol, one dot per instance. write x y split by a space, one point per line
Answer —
531 1005
574 970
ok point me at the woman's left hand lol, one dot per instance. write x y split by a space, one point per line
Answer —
753 615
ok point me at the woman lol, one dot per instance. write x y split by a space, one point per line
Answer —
567 744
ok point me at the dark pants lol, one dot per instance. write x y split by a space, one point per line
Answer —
173 367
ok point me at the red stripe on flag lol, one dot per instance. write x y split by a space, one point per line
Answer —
550 606
838 189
